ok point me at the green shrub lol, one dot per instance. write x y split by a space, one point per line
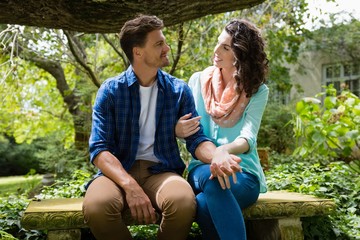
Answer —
275 131
17 159
149 232
67 188
331 128
61 160
319 176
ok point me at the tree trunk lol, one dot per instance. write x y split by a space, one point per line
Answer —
81 118
107 16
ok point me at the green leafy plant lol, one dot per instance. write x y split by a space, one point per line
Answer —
11 210
12 207
6 236
275 131
149 232
17 159
144 231
58 159
330 128
319 176
67 188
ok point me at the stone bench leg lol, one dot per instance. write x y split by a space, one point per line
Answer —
275 229
291 229
69 234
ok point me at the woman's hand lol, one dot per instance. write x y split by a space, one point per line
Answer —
187 126
224 165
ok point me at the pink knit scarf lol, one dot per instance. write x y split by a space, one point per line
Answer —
222 102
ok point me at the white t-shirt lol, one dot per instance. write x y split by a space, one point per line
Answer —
148 97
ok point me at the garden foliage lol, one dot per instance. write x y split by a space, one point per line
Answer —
17 159
275 131
316 175
330 127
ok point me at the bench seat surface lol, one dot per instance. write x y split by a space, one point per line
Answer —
67 213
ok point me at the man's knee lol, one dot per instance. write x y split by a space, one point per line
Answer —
101 207
104 218
180 201
103 198
185 201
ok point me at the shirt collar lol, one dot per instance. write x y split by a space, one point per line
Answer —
131 77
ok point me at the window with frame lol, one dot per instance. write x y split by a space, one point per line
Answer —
343 76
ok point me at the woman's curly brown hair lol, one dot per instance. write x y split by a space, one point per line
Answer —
250 58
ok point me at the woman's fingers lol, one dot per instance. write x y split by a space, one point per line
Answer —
236 168
192 126
227 181
234 178
235 158
222 182
227 170
213 171
186 116
221 176
234 163
222 171
192 123
187 126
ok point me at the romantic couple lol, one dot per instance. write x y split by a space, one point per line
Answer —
137 117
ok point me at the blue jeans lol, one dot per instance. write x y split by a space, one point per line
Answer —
219 212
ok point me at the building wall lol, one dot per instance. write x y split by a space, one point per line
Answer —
308 73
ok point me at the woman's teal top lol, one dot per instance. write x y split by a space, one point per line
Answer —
247 127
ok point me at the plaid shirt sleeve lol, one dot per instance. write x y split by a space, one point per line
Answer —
101 138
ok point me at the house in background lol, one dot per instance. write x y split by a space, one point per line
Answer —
315 70
334 59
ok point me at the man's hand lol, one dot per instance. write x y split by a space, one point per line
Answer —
139 203
187 126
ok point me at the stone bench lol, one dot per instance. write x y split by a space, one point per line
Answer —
276 215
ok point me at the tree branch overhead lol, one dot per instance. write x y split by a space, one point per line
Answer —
107 16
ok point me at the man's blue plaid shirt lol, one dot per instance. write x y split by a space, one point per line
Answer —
115 120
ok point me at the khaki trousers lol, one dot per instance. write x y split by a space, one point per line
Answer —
169 193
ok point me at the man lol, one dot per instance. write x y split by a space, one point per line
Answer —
133 142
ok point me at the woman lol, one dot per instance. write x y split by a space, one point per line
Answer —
230 98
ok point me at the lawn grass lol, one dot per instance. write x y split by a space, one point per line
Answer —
18 184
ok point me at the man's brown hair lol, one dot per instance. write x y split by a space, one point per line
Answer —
134 33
